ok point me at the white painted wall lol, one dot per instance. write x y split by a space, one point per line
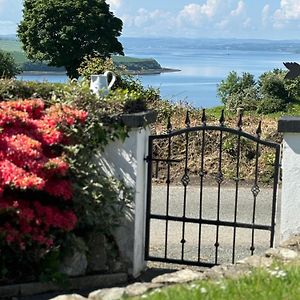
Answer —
125 161
290 203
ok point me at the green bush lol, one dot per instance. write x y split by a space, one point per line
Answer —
272 84
235 85
271 105
97 65
14 89
8 66
99 202
246 100
271 93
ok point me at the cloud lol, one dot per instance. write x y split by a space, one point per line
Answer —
265 14
288 15
147 22
210 7
289 10
247 23
214 18
113 3
196 14
222 24
239 9
190 13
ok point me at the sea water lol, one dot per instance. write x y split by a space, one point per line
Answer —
202 66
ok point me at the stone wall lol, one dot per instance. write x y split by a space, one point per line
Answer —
287 252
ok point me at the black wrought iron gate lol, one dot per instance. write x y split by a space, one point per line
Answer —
171 153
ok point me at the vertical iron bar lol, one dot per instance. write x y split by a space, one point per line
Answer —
276 176
185 181
156 170
201 191
168 194
252 248
219 179
149 194
237 179
255 188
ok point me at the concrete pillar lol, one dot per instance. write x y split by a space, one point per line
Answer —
125 160
290 200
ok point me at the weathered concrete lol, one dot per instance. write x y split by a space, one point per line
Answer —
290 205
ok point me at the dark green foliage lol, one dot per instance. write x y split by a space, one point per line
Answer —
63 32
126 90
235 84
271 93
293 88
271 105
8 66
14 89
135 105
272 84
100 201
238 91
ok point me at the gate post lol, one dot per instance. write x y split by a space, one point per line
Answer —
125 160
290 199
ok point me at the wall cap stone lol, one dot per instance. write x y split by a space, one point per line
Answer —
140 119
289 124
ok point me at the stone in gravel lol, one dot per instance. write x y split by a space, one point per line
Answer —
69 297
282 253
181 276
256 261
235 271
292 243
107 294
139 288
213 274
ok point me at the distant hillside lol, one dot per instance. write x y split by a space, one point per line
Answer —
133 65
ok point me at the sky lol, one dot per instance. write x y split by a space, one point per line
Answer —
262 19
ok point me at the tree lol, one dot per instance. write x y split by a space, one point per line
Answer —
238 91
8 66
273 85
63 32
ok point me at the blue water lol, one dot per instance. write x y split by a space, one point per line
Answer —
201 68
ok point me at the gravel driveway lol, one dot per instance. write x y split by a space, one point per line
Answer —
208 239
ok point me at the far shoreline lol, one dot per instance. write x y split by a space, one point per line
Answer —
142 72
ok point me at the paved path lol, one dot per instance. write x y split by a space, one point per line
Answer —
244 214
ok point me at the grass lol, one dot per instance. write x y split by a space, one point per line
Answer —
263 284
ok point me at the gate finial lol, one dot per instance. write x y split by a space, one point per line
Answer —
258 130
187 119
203 119
169 125
222 118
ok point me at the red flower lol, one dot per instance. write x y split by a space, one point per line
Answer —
28 161
59 188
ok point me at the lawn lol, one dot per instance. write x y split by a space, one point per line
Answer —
276 283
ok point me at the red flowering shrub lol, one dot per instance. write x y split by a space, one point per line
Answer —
35 192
